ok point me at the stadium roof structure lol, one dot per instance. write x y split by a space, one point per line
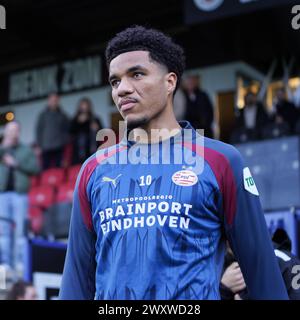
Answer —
40 32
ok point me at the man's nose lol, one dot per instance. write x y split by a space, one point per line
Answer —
125 87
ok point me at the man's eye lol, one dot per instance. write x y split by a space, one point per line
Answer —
138 75
114 83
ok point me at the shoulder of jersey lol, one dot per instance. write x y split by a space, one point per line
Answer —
225 149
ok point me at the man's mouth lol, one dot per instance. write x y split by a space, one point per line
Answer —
127 104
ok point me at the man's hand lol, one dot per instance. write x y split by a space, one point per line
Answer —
9 160
233 278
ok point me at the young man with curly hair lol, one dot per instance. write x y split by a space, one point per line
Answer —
153 230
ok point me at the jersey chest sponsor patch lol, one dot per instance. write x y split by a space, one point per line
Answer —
249 183
185 178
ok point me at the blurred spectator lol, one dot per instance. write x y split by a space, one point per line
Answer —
52 133
179 104
83 129
22 290
233 287
285 111
17 164
296 97
199 110
283 247
253 117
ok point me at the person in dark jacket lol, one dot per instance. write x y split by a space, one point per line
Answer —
52 133
253 117
289 264
83 130
285 111
233 287
199 110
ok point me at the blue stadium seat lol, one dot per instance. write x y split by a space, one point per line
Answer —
275 167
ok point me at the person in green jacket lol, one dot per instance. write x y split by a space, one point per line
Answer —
17 164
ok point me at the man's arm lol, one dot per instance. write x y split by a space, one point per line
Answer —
78 282
247 232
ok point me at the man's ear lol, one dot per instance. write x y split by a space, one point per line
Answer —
171 82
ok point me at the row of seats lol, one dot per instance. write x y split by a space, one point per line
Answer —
275 168
270 131
50 223
56 176
45 196
45 203
50 201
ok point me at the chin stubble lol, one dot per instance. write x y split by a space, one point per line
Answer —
137 123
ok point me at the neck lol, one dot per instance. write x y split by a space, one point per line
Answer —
159 128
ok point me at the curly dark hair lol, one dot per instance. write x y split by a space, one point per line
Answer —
161 48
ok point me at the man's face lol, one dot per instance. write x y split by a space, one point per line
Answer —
12 131
84 107
53 101
281 96
250 99
191 83
140 87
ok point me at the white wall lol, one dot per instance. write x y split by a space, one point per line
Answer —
27 113
214 79
223 77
